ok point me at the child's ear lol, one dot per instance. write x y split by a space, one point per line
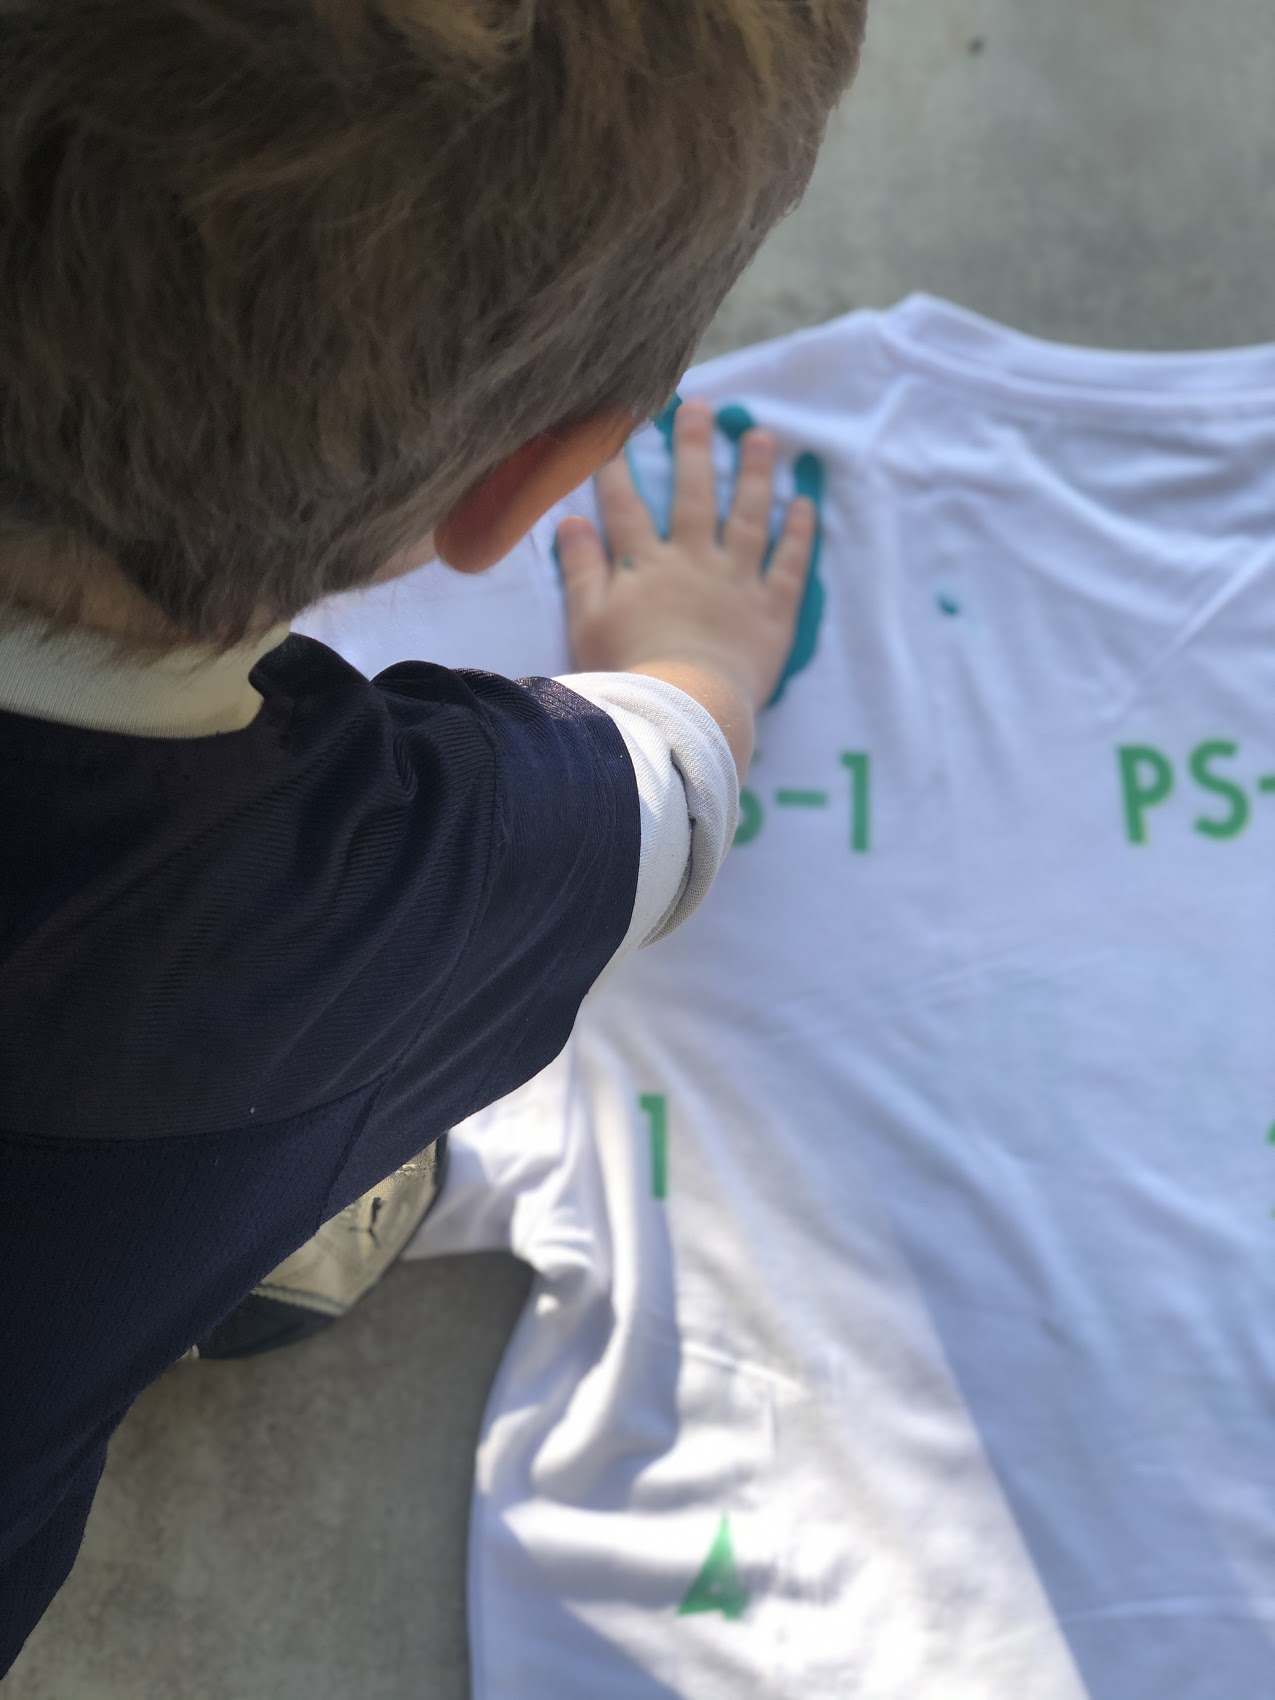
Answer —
489 519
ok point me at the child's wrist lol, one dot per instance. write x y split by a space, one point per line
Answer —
727 699
736 676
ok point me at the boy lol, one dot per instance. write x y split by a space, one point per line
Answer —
295 294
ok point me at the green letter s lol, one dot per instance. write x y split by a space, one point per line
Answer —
1238 819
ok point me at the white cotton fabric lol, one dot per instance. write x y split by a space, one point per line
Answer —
688 794
957 1305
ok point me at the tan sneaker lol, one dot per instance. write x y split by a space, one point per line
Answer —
330 1273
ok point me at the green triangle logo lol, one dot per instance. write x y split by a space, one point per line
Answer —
717 1587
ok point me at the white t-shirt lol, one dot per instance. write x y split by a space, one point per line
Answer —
903 1225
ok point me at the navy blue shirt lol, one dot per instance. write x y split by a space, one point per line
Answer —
243 978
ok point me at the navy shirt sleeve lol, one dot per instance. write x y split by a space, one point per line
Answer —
244 977
562 853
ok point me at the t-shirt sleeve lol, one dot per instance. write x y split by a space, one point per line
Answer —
688 794
558 862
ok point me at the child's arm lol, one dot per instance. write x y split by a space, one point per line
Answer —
695 610
706 633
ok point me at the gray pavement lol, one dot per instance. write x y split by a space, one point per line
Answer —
295 1528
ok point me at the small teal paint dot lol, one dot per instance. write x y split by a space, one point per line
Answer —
1271 1136
948 605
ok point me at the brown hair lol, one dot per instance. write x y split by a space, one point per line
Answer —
281 279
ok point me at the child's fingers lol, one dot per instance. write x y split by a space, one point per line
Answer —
585 569
694 519
628 525
747 528
790 564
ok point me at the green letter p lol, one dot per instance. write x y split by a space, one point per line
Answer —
1147 780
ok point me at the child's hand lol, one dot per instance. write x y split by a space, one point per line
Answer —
697 598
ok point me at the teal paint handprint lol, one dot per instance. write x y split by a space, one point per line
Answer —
733 421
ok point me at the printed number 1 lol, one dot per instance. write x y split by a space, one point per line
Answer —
859 763
655 1108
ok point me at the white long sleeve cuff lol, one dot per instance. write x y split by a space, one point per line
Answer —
688 792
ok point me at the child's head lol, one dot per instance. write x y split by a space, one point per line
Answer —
282 280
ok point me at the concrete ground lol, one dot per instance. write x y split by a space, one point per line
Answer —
294 1529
